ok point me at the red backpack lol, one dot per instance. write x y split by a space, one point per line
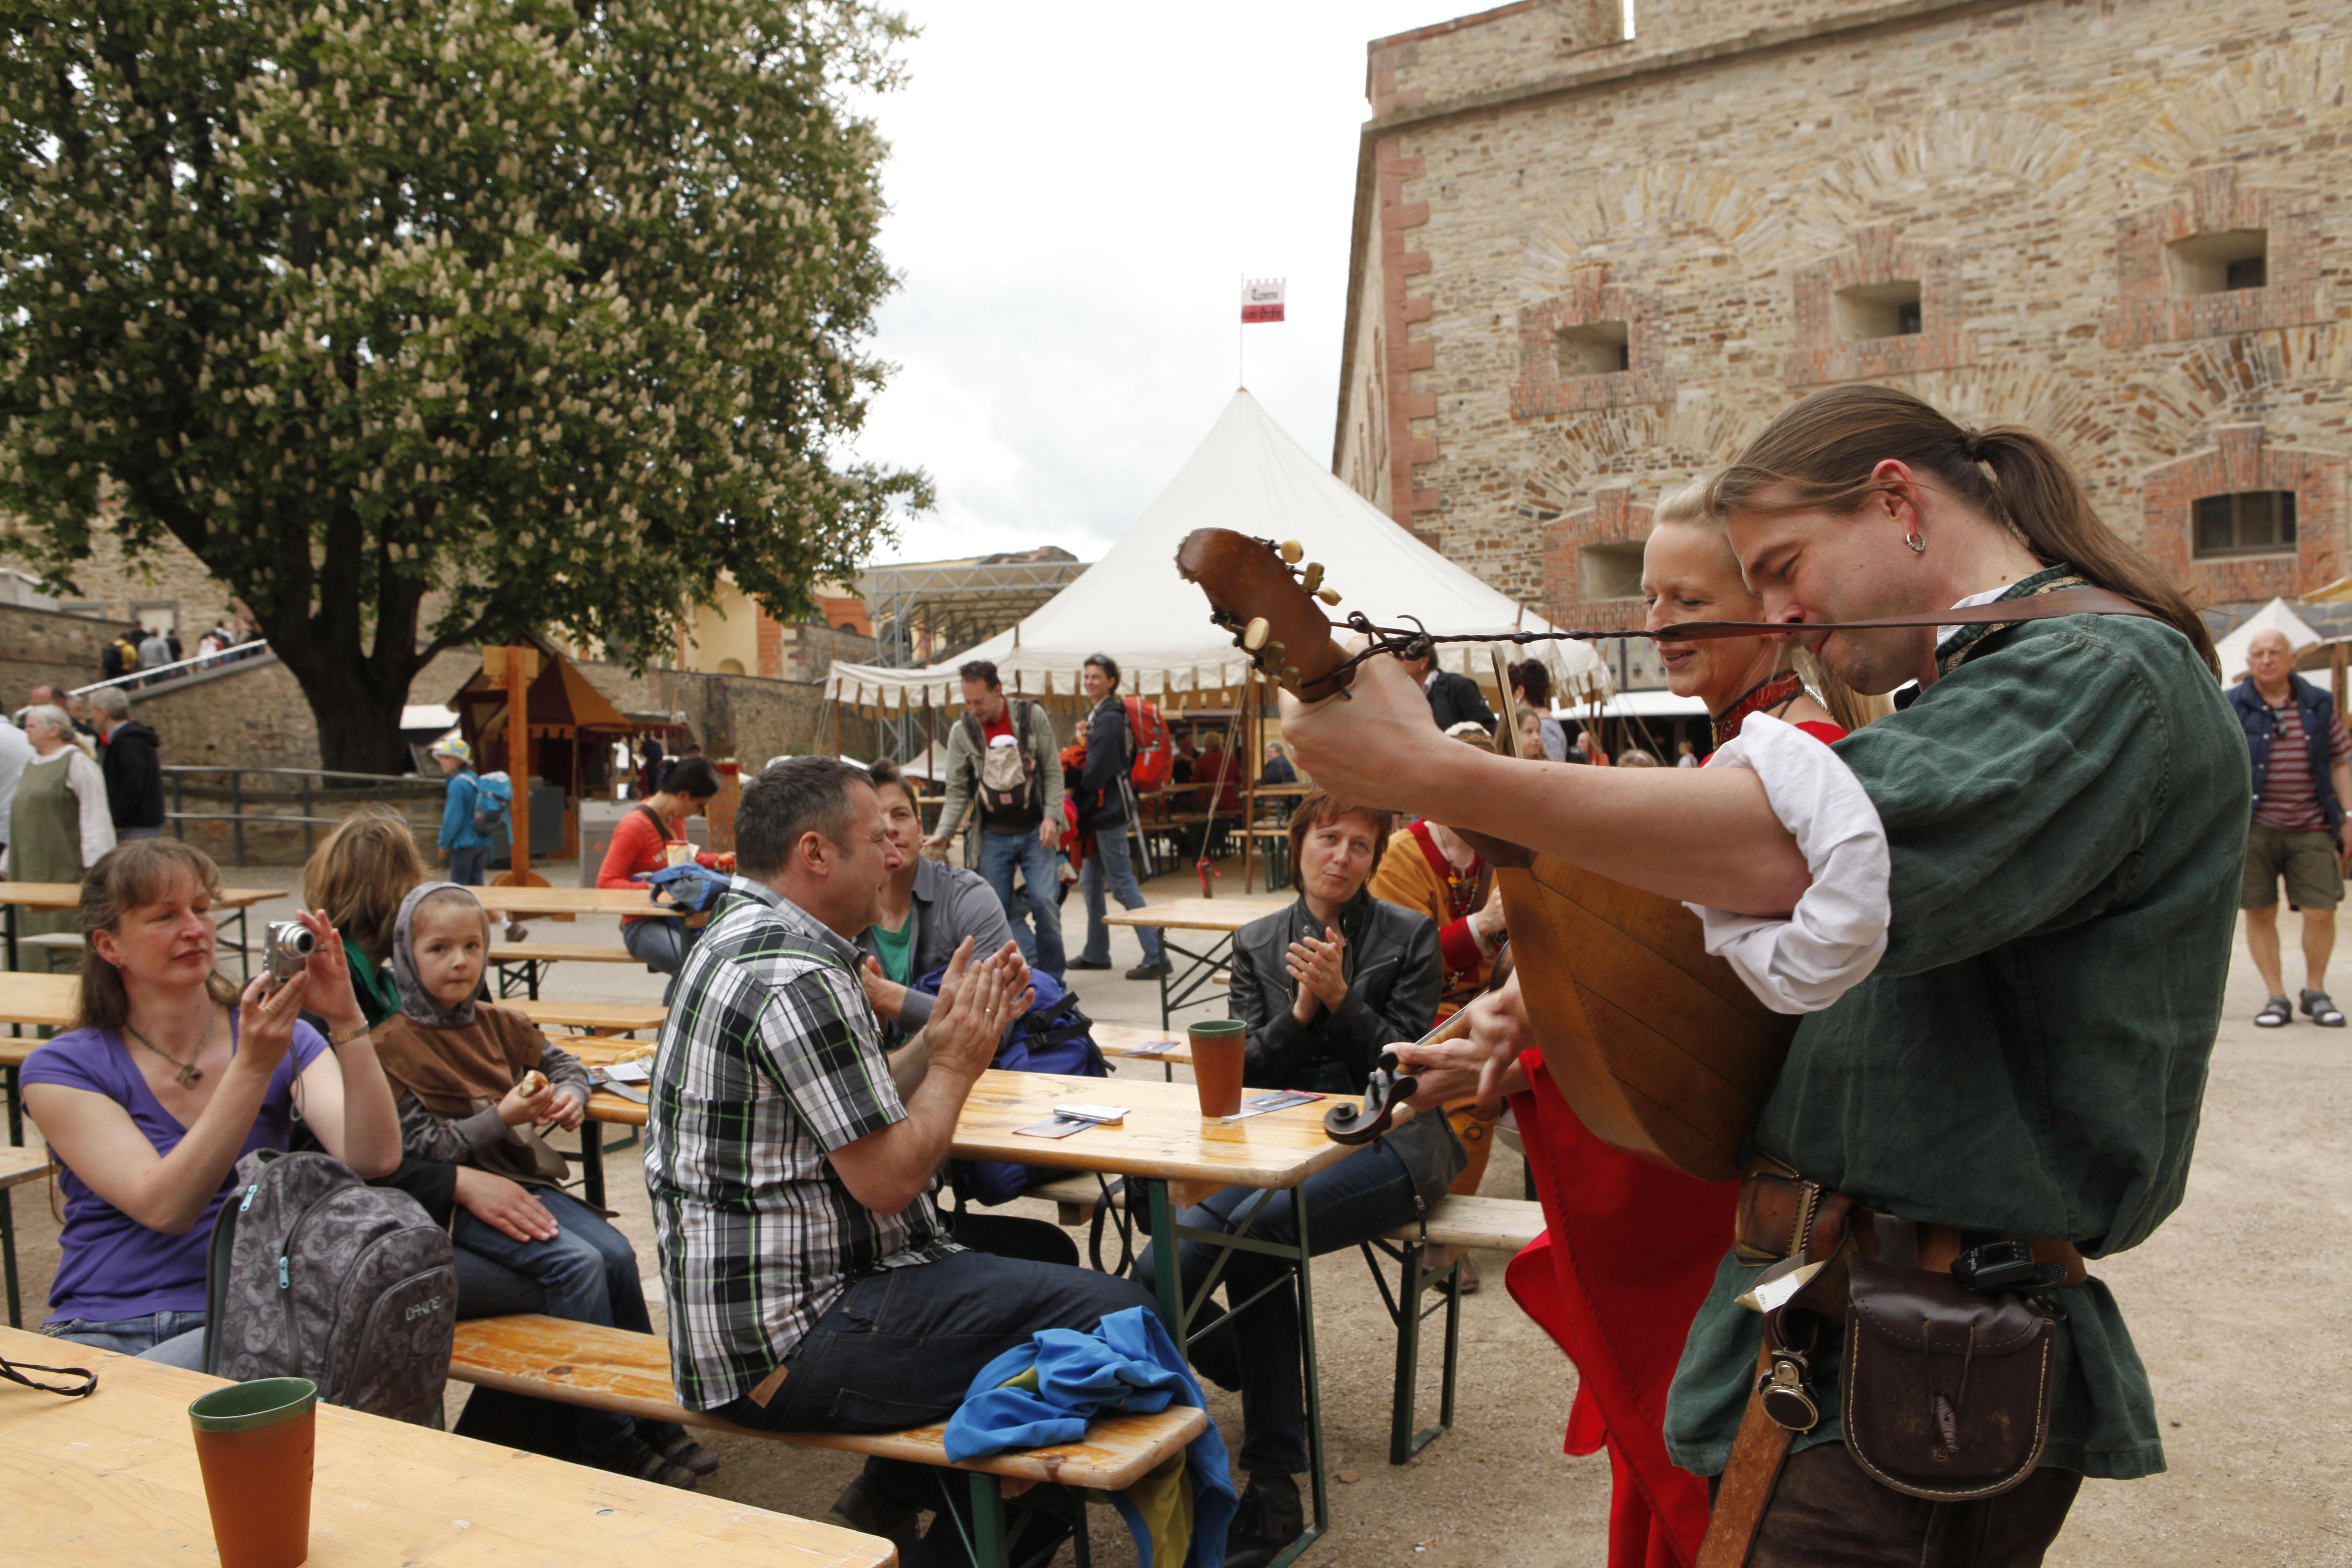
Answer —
1155 747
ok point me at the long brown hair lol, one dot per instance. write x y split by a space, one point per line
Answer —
130 874
1316 807
1821 454
360 874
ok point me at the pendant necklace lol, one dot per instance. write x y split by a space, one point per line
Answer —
189 1072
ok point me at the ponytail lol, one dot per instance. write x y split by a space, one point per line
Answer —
1822 452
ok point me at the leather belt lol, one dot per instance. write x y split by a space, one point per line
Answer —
1778 1209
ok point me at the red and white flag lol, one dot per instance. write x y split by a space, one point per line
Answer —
1261 299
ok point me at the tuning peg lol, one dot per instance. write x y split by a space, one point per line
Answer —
1253 634
1329 595
1313 577
1274 653
1292 550
1290 677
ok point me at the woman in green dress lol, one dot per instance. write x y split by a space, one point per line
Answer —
59 826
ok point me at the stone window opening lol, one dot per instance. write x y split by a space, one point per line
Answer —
2220 263
1595 348
1889 310
2243 522
1609 571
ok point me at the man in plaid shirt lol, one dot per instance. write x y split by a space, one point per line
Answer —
811 1282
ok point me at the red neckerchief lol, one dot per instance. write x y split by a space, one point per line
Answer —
1777 691
1461 887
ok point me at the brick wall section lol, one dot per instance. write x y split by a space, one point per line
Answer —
1997 149
169 575
1614 517
1879 256
1403 354
249 715
1590 297
45 648
2216 203
2240 460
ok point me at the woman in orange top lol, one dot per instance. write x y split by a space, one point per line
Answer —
640 844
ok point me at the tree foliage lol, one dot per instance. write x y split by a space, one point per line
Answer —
422 324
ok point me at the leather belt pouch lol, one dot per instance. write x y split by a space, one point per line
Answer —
1946 1391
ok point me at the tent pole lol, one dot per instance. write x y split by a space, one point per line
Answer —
1248 760
836 728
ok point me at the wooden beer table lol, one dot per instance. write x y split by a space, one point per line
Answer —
14 896
1222 917
113 1477
519 900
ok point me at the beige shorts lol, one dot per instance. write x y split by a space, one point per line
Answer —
2314 878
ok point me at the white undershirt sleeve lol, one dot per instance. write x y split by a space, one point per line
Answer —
1835 936
88 786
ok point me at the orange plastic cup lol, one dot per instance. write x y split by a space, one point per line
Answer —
254 1442
1217 1050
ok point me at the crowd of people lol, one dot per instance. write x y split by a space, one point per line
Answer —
2002 913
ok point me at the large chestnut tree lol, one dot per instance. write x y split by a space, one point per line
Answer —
429 321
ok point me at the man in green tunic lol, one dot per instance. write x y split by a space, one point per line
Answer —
2005 910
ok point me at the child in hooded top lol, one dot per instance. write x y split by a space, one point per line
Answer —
473 1080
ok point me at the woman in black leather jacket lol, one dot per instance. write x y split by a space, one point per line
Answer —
1321 986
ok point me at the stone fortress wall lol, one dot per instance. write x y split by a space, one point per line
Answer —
1587 267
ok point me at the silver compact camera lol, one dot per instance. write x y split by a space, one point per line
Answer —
285 947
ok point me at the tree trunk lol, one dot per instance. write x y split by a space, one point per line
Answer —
358 717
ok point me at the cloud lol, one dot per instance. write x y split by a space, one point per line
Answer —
1077 191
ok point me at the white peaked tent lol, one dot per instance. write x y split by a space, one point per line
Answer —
1250 477
2274 616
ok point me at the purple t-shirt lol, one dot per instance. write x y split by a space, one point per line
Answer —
111 1266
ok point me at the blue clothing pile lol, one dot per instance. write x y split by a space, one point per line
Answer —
1045 1392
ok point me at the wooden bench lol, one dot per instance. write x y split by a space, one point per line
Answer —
1453 1226
17 1166
523 963
613 1369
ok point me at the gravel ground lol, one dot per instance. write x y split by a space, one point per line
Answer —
2239 1307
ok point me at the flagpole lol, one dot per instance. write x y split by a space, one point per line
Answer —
1241 341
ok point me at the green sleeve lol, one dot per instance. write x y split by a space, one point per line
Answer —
2017 788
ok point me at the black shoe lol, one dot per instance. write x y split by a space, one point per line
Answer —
672 1442
862 1507
634 1460
1155 969
1087 964
1268 1520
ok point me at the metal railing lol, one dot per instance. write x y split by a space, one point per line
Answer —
191 666
339 788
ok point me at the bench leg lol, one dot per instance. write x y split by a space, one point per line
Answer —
16 1111
989 1545
1317 1474
8 1254
592 1164
1412 1286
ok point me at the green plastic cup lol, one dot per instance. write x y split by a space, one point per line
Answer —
255 1443
1217 1052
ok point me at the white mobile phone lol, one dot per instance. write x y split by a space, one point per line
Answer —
1108 1114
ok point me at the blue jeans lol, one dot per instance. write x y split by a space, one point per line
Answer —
469 867
999 854
899 1347
176 1339
587 1273
660 945
1110 860
1366 1195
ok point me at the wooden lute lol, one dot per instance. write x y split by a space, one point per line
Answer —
1656 1043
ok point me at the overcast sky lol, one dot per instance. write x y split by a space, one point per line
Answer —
1077 191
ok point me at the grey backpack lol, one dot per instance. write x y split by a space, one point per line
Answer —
313 1273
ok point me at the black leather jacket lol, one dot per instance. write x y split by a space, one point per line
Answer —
1393 975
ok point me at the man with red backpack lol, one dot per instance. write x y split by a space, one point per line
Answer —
1103 812
1001 763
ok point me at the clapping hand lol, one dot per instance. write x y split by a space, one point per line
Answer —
976 999
884 995
1315 964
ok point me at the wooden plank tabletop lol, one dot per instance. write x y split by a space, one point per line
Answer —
49 1001
568 901
557 953
67 894
1164 1134
1141 1041
113 1477
1226 914
596 1018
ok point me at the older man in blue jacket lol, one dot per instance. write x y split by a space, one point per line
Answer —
2303 774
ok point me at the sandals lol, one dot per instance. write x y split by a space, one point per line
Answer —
2276 1013
2321 1011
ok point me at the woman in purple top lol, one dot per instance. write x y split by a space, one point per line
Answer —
168 1079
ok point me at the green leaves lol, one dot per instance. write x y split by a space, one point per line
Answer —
420 322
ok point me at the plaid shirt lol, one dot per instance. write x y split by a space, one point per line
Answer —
769 1059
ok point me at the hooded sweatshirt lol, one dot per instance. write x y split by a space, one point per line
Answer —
134 776
446 1062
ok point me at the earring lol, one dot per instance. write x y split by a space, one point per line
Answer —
1917 543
